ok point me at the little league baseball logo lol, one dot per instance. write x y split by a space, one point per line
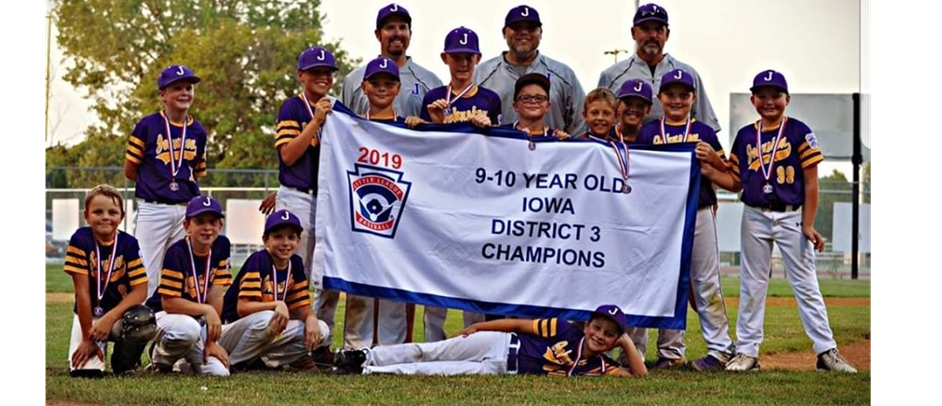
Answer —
377 197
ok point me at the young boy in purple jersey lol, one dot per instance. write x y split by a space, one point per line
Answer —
510 346
296 141
109 278
267 314
381 86
298 145
775 165
166 155
461 100
677 94
189 300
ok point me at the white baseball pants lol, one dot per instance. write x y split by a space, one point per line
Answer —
157 227
482 353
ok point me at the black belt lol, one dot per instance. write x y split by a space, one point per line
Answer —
512 362
778 207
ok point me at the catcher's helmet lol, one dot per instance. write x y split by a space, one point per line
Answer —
140 324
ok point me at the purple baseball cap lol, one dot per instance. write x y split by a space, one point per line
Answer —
677 76
392 10
462 40
381 64
175 73
769 78
203 204
613 313
522 13
636 88
650 12
314 57
280 218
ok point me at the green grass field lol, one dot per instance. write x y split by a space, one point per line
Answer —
58 282
784 334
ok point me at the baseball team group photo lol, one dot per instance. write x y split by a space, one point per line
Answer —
318 202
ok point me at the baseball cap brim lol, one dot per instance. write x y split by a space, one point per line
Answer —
779 87
523 20
197 212
405 17
463 51
192 79
621 328
680 82
381 72
650 18
636 96
319 65
531 79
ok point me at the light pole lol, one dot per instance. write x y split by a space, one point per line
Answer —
615 53
48 67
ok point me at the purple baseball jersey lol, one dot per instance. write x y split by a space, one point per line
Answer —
556 349
478 101
178 278
797 150
650 133
82 258
148 147
255 282
292 118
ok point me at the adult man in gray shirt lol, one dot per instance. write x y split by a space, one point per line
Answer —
523 31
394 32
650 32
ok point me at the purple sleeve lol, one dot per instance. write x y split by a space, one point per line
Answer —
494 112
423 113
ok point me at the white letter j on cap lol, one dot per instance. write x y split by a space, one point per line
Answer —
768 78
208 202
285 216
525 12
383 64
638 87
464 40
395 7
321 56
180 70
679 75
613 312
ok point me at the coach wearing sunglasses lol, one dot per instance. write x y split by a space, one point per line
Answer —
650 32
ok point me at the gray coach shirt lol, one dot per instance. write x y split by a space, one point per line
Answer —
416 81
566 94
636 68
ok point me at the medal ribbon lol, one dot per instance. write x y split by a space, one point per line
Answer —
621 155
175 166
274 275
686 129
200 298
781 130
578 357
450 100
98 284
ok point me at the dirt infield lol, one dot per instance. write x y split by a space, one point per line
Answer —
858 354
59 297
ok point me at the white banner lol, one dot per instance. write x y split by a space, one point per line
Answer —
485 223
